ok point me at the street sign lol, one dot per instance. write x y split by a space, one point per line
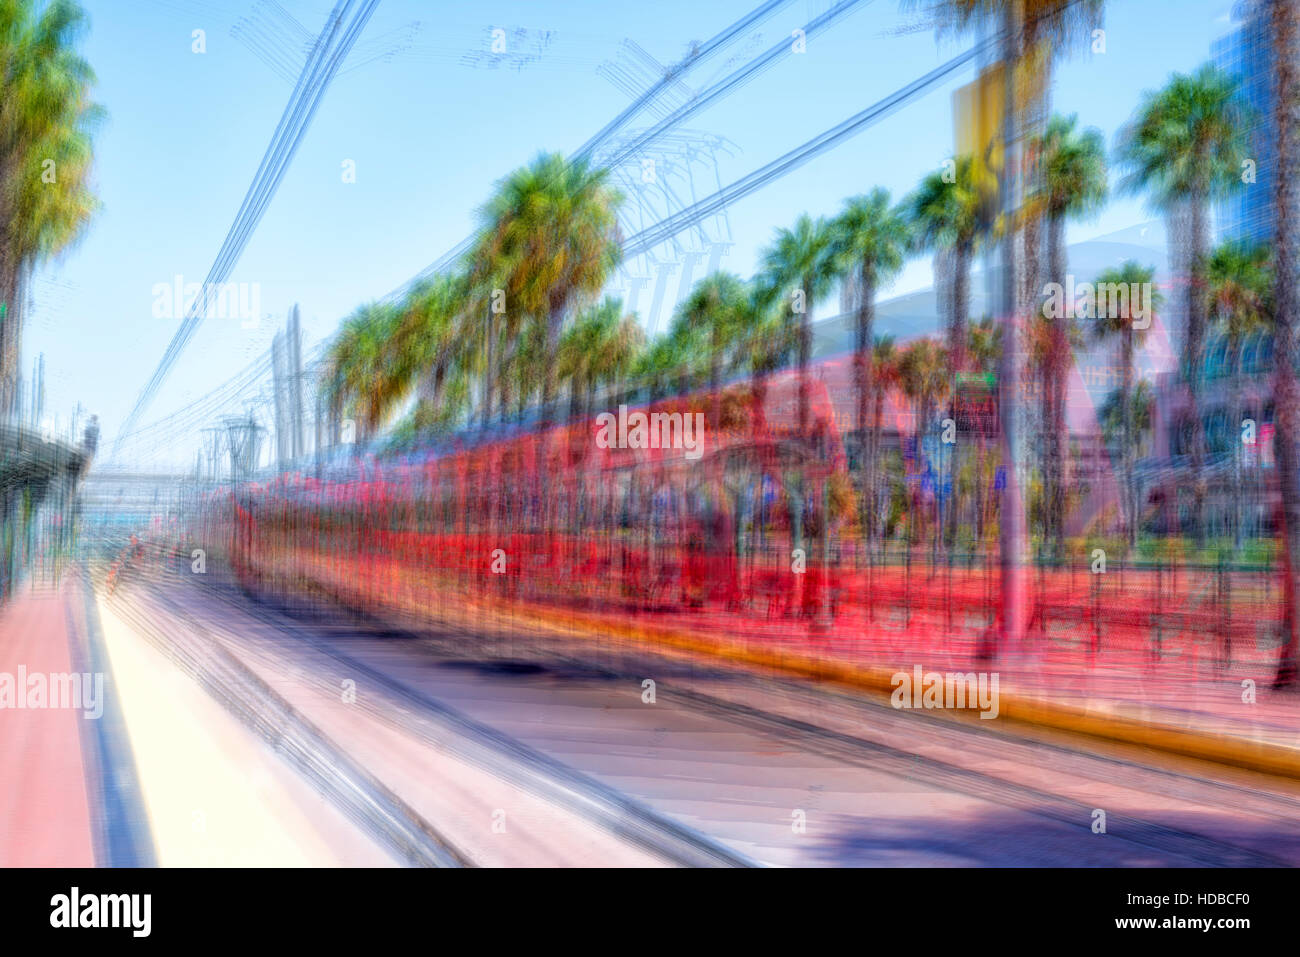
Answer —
977 407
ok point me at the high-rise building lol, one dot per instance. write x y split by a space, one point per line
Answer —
1247 214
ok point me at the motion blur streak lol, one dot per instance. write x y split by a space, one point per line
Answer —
897 469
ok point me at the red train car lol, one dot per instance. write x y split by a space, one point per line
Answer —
675 505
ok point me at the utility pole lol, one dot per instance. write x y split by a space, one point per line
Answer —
282 447
243 436
294 361
320 429
214 454
1011 516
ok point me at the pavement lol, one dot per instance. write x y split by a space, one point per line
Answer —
46 815
164 776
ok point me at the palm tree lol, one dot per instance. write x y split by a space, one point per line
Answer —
601 346
1239 284
573 359
870 240
952 215
550 237
430 346
983 354
359 361
618 348
522 368
885 375
1049 341
1071 184
709 320
660 364
949 216
924 373
1118 324
764 342
1184 148
46 117
1285 33
1031 31
384 350
1126 421
800 262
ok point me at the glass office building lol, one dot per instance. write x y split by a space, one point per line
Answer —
1247 214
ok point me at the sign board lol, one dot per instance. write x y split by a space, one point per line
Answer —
977 407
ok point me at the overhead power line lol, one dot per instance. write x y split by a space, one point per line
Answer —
671 225
697 56
672 77
341 31
731 82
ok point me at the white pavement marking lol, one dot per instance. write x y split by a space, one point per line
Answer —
216 795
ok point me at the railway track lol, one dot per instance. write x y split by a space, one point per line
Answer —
853 749
358 794
625 818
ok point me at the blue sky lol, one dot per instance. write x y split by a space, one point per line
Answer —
431 127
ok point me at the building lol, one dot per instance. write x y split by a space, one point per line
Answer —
1247 214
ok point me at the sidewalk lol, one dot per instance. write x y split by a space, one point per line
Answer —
45 811
163 776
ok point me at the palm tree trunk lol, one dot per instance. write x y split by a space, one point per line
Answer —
431 390
1286 395
957 351
1238 498
715 391
1131 508
1060 447
873 506
553 323
717 471
505 383
11 301
802 444
805 350
1058 348
862 381
960 308
1194 356
489 373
